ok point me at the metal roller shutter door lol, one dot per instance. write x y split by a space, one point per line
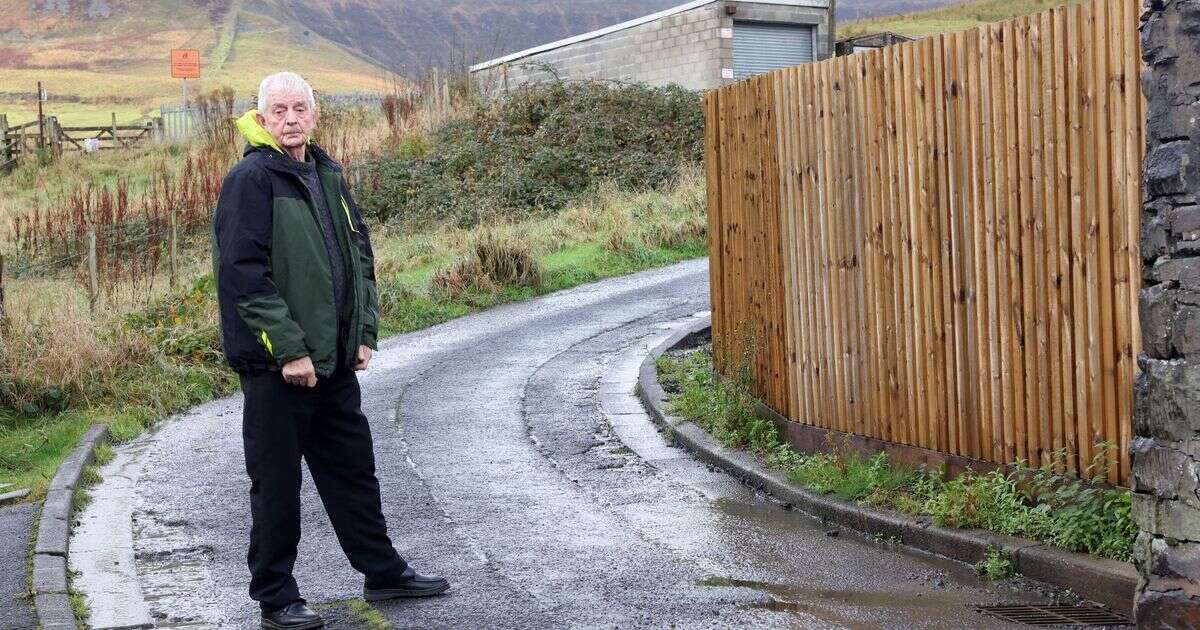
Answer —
759 48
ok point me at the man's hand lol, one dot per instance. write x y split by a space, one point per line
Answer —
300 373
364 358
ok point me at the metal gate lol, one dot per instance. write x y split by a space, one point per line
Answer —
761 47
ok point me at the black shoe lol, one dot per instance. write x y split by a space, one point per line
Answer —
411 584
294 616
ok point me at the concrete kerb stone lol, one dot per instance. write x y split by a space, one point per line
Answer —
1107 582
49 574
54 533
54 612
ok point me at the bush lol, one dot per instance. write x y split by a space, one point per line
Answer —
494 262
537 150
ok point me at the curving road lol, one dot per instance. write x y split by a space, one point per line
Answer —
513 459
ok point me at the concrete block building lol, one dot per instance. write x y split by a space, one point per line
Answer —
700 45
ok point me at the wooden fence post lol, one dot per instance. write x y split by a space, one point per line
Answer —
172 249
5 150
116 141
3 313
41 119
93 279
55 134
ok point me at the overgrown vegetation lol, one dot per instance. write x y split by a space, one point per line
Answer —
138 359
1070 513
538 150
996 565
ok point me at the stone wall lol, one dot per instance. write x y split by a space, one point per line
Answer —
686 49
1166 448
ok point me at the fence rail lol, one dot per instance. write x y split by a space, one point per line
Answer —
17 141
936 244
181 122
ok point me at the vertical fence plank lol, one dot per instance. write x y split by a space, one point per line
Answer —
978 182
1134 111
1053 391
1104 216
947 434
905 204
1092 216
1040 416
1063 205
874 270
712 174
855 184
1122 383
809 226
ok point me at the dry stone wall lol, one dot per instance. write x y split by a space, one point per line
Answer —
1166 448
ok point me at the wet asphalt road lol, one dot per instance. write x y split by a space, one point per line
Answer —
500 470
16 525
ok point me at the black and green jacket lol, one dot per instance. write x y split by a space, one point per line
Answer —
274 283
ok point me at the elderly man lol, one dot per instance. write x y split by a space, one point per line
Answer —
296 286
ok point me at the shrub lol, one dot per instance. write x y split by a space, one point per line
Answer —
536 150
493 262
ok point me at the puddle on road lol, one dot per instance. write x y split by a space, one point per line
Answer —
832 605
794 593
777 605
778 519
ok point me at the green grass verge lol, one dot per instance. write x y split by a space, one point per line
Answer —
33 445
409 308
1033 503
186 368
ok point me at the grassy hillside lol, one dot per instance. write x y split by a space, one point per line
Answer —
101 56
958 17
96 62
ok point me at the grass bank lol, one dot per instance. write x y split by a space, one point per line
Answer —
65 369
460 220
1032 503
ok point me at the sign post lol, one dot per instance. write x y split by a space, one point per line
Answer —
185 64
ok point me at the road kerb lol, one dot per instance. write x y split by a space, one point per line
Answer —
1107 582
54 535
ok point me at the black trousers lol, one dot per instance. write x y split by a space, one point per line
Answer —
282 423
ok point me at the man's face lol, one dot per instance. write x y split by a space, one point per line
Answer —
288 118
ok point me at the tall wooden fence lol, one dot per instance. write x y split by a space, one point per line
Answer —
936 243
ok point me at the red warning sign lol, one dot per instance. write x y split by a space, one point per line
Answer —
185 63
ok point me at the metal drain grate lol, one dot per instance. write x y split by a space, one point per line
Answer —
1032 615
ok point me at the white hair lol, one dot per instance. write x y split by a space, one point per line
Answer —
289 81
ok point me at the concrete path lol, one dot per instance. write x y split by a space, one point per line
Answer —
16 527
514 460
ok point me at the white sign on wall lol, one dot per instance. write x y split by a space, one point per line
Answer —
726 33
726 73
